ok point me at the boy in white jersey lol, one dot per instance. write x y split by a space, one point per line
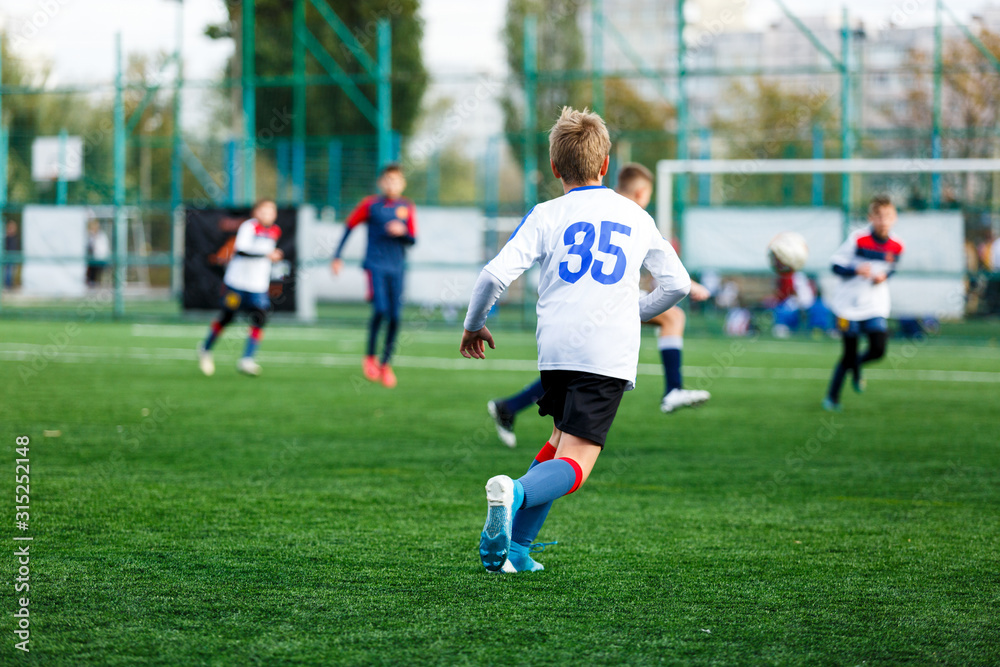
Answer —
247 281
636 182
590 243
861 303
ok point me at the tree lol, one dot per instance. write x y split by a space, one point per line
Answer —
970 108
330 111
30 115
560 48
767 121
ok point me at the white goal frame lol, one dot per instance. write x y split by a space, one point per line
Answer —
940 294
667 169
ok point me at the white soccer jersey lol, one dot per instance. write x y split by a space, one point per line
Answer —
857 298
250 267
591 244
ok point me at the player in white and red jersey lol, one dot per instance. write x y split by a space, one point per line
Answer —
861 303
247 280
636 182
590 244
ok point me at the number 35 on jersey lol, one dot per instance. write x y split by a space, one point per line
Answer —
580 238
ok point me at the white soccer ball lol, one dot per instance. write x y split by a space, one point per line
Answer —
788 251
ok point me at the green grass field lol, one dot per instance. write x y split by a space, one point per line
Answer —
306 517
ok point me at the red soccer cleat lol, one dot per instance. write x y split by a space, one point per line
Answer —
388 377
372 369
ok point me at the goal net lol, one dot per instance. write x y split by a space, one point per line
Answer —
723 222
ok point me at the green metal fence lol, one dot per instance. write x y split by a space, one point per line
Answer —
143 162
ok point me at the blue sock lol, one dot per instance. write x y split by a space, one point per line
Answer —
252 341
670 354
550 480
525 397
213 333
528 521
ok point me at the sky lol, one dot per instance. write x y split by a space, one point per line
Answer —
77 36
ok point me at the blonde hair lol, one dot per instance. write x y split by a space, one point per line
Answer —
630 175
578 144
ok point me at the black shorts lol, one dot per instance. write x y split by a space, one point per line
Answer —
581 404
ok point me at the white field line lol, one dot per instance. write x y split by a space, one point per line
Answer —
196 332
23 352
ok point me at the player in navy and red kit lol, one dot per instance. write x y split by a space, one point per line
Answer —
392 228
864 262
247 281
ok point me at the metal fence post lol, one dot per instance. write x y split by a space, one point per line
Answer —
249 104
528 138
385 148
121 228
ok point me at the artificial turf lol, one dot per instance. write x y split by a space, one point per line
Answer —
309 517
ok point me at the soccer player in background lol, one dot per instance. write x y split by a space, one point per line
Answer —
590 243
504 410
636 183
864 262
392 228
247 280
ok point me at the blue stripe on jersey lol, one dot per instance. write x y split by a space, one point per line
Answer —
521 224
587 187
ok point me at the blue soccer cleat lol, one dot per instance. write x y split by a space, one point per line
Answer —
501 502
830 406
519 560
859 384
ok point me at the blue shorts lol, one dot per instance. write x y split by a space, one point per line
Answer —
237 299
385 291
854 328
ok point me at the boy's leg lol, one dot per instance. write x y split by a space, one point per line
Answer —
878 337
529 395
394 299
504 410
584 403
671 344
258 319
583 407
394 294
848 361
542 484
877 343
257 306
230 304
376 285
528 521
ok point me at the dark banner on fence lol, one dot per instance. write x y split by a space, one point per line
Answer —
208 245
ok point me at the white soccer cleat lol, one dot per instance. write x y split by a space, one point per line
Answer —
494 541
683 398
504 420
248 366
697 396
205 362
